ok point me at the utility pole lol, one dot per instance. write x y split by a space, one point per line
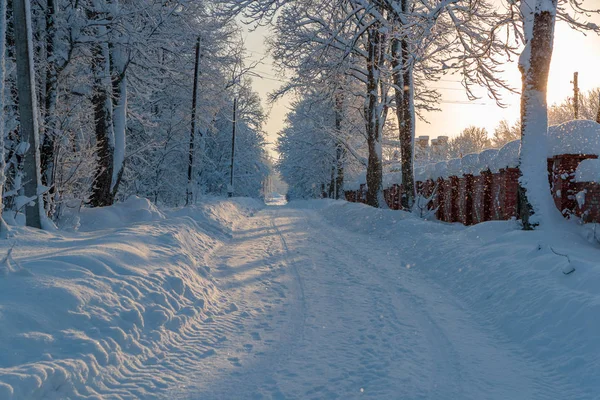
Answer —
598 113
189 193
230 189
576 94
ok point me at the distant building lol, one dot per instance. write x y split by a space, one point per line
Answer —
422 149
439 149
436 151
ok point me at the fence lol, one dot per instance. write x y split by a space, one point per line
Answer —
488 196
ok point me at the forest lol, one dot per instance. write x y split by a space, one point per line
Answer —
128 98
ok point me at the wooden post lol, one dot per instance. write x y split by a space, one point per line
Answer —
576 94
189 191
230 189
598 113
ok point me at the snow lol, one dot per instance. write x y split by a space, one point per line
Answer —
440 170
486 159
133 210
115 310
588 171
353 182
574 137
313 299
507 279
533 159
507 157
470 164
453 168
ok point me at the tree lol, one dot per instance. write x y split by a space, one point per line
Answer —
538 18
471 140
589 106
103 107
323 42
505 133
307 156
414 36
3 226
28 111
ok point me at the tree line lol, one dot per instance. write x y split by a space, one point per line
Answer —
126 98
370 62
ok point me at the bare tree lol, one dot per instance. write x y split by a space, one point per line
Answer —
505 133
589 105
3 226
471 140
28 111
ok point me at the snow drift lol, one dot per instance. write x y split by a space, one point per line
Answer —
117 310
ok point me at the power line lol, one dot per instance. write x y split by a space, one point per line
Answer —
467 103
447 88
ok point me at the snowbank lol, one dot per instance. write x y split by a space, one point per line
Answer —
453 168
588 171
470 164
511 278
116 311
508 156
353 182
133 210
487 158
574 137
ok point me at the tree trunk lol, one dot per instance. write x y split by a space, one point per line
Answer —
402 76
230 189
190 187
103 115
3 226
119 86
28 110
340 151
535 201
50 115
373 119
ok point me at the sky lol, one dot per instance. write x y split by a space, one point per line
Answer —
573 52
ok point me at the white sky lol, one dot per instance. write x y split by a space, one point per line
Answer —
572 52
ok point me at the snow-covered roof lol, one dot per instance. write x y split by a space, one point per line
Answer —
588 171
574 137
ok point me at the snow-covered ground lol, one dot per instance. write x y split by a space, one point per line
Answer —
121 309
311 300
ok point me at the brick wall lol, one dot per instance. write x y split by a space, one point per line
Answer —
494 196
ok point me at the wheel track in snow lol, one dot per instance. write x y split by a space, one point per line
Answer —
446 367
164 358
536 382
299 281
277 310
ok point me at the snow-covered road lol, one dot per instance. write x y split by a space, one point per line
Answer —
319 312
